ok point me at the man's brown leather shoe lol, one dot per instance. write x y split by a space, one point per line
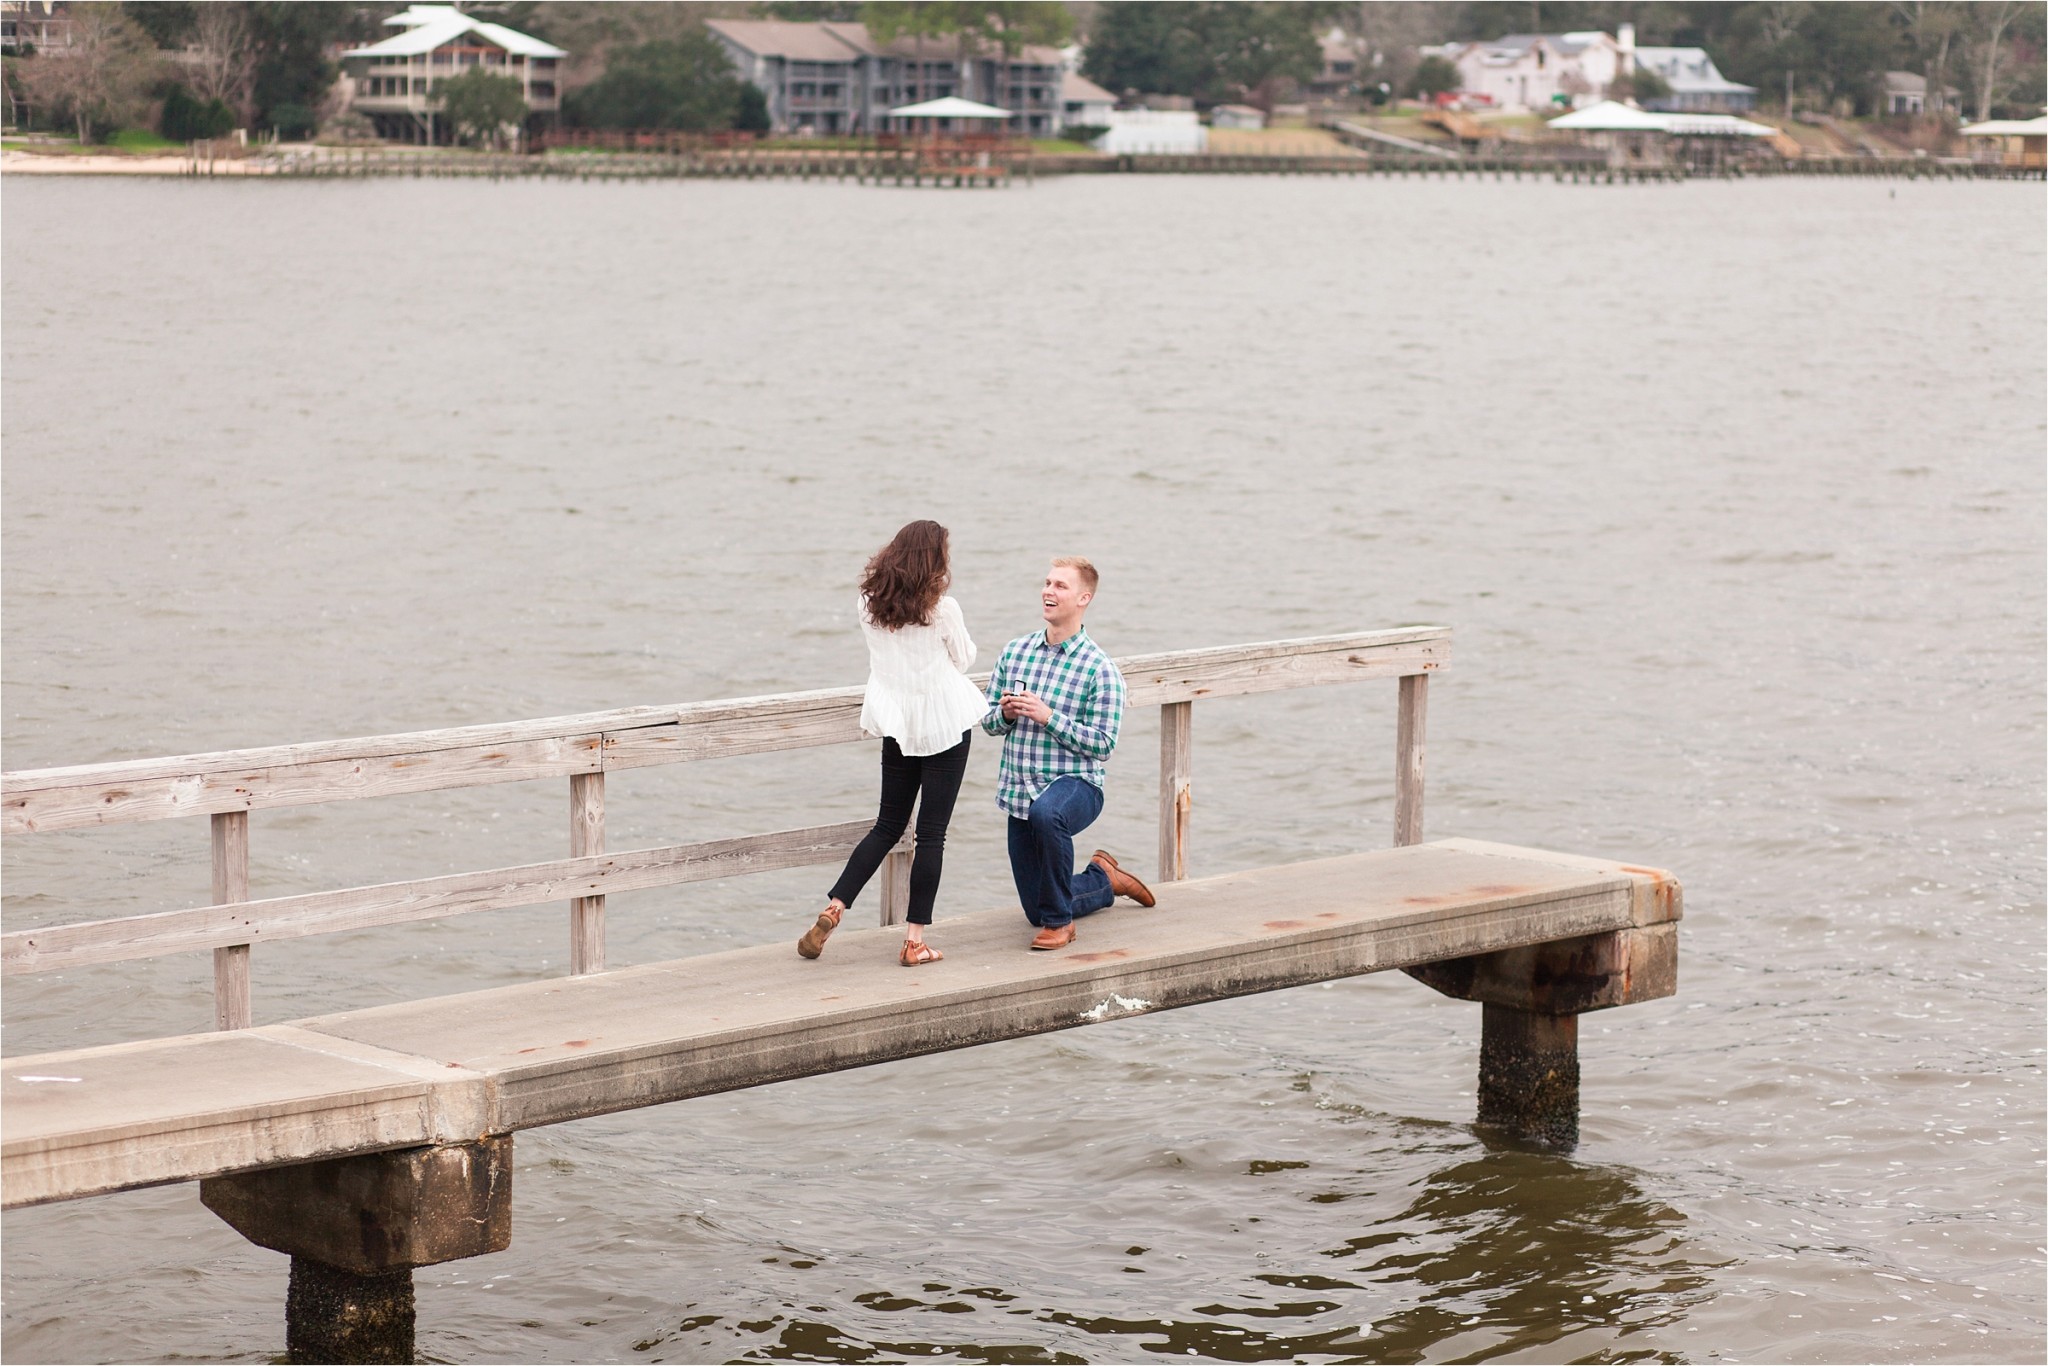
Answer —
1121 882
1054 938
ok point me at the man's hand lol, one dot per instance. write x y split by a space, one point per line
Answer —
1026 705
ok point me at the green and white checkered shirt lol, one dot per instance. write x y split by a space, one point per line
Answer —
1086 694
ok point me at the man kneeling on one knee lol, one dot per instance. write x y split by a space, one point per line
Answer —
1058 701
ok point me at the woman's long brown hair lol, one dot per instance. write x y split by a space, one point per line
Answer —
905 580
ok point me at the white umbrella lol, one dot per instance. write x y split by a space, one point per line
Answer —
951 107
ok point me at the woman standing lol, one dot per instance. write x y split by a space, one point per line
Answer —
920 702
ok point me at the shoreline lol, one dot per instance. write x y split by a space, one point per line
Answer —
384 164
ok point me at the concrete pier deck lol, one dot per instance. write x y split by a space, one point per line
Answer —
455 1068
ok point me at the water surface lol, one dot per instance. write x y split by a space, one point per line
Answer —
1732 493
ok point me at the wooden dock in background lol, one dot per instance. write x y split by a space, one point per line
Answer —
994 163
367 1143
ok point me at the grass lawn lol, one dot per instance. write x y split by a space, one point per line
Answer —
47 145
142 140
1061 147
1275 142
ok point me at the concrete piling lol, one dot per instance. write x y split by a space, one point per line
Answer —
1532 998
356 1227
1529 1076
332 1315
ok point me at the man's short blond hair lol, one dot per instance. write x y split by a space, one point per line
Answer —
1080 565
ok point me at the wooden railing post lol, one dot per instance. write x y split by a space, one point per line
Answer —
1408 748
231 1003
586 837
896 882
1176 734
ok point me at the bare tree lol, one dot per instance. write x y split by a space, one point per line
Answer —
99 80
224 59
1780 31
1386 37
1991 21
1931 27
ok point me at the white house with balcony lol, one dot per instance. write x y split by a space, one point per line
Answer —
396 82
1540 70
832 78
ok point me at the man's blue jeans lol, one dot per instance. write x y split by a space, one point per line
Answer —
1042 855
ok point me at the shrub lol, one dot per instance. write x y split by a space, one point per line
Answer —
185 119
293 122
753 111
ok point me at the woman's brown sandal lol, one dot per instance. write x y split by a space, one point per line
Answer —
916 953
813 942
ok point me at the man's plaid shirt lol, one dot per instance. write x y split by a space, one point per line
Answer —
1086 694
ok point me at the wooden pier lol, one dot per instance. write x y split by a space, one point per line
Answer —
367 1143
995 162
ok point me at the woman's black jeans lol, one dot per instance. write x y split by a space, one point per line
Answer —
902 775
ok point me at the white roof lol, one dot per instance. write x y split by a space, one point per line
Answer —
426 27
1609 116
1076 87
1715 126
2009 128
951 107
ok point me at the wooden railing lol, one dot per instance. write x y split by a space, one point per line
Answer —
227 786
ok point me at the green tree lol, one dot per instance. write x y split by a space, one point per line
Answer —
684 83
1642 85
1212 51
167 22
1257 49
1145 47
186 119
1435 76
479 104
287 46
1010 26
752 116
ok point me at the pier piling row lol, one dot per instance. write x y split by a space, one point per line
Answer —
368 1143
993 165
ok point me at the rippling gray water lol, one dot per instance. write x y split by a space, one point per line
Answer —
1732 492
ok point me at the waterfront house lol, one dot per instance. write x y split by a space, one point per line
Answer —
395 83
1338 74
2019 144
830 78
1697 85
38 25
1083 103
1539 70
1905 92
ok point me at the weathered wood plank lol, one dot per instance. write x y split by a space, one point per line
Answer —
896 883
1185 676
422 761
233 1007
1410 725
586 838
434 898
1176 800
87 1121
30 808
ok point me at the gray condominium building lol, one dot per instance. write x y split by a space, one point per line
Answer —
834 78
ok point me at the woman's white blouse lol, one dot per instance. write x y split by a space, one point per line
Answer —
917 694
